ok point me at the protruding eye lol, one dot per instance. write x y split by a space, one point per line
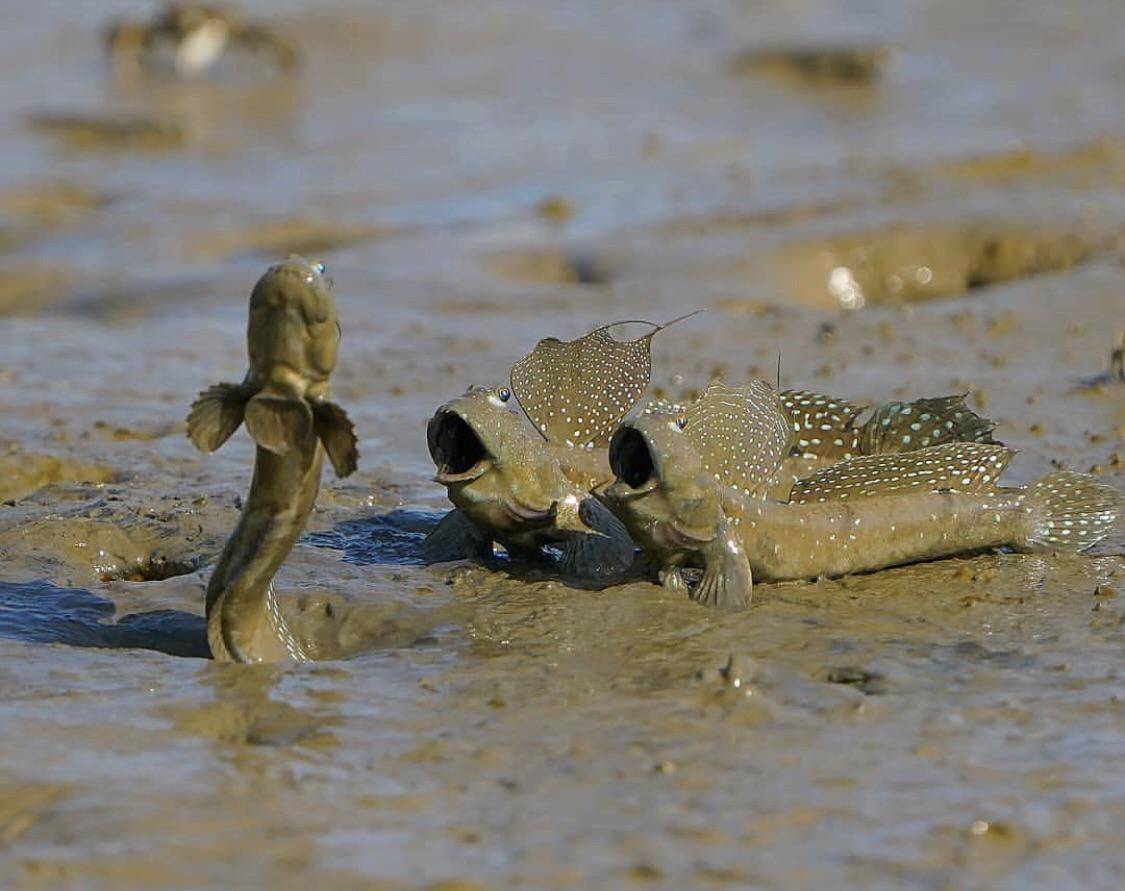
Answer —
681 422
320 268
505 394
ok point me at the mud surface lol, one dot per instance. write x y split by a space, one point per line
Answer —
938 218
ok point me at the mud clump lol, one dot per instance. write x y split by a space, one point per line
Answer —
100 548
281 237
903 265
813 64
89 132
28 289
22 475
551 266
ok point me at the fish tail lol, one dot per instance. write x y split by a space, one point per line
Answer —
1070 512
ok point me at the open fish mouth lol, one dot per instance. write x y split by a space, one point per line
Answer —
633 464
457 451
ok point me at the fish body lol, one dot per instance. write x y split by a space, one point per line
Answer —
858 515
292 340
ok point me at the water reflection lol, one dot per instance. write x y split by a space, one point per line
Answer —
39 612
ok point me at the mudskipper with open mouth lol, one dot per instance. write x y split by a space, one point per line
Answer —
527 486
690 495
292 340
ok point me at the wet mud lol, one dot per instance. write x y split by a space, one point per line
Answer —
477 178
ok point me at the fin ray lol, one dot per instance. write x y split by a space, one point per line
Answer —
960 467
215 415
727 581
576 392
278 423
1071 511
742 434
907 426
336 431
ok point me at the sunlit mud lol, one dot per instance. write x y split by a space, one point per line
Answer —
478 176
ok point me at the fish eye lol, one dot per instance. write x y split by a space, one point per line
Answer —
681 422
505 394
320 268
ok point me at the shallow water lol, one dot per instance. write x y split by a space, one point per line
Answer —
478 176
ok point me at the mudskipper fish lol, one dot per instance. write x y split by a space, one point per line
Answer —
292 340
689 495
529 486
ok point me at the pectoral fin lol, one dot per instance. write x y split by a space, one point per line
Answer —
455 538
727 581
336 431
278 423
215 415
605 551
672 580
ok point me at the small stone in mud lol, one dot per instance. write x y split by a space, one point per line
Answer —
870 682
822 64
115 133
739 670
555 208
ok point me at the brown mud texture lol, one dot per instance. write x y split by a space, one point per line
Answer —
900 199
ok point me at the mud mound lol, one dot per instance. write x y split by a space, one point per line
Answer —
552 266
902 264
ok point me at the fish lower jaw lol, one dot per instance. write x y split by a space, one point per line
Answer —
448 478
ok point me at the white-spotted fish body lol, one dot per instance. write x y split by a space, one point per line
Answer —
292 340
861 515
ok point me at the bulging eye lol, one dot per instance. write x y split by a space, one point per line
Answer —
505 394
681 422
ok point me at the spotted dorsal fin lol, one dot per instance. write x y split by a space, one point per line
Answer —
906 426
741 433
823 427
969 467
576 392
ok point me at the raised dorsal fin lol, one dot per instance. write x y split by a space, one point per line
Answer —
741 433
576 392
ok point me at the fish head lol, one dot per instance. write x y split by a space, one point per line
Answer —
493 465
294 331
661 490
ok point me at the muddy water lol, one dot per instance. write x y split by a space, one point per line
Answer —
477 176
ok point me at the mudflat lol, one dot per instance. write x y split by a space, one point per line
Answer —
918 200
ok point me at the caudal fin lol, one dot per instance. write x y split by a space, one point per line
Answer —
1070 512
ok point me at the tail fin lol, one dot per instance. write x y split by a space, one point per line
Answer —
1070 512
